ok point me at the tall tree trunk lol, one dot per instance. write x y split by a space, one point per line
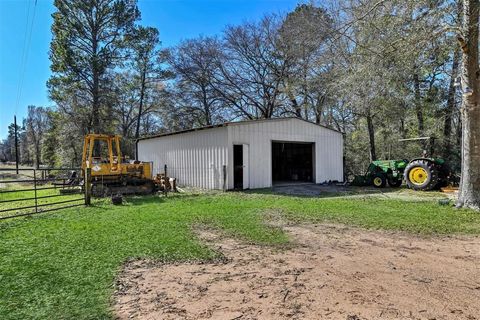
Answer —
318 113
458 132
371 136
293 100
96 106
418 103
37 155
403 132
96 112
75 160
140 107
95 85
298 109
140 110
206 106
450 107
319 109
469 195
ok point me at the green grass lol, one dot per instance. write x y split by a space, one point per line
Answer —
63 265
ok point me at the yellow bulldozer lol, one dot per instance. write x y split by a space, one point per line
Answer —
113 174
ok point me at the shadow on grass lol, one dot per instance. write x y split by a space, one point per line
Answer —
323 191
160 198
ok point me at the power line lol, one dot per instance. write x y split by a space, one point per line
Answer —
25 37
26 46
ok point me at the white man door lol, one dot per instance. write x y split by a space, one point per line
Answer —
246 172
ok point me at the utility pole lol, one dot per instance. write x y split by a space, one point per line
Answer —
16 142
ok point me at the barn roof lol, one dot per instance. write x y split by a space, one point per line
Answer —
232 123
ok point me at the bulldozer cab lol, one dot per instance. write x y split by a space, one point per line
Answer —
101 153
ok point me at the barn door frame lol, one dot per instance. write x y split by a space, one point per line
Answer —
246 166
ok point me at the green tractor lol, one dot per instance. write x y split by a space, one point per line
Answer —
423 173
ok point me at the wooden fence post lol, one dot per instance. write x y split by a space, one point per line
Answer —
166 182
35 189
88 186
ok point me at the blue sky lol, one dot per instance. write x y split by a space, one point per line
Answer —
175 19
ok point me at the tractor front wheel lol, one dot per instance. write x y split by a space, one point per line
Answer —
379 180
421 175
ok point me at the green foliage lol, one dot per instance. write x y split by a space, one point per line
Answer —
51 142
63 265
88 43
397 77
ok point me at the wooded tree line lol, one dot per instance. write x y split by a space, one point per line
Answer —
376 70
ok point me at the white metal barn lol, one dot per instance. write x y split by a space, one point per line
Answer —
247 154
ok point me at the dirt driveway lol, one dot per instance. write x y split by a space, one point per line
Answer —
331 272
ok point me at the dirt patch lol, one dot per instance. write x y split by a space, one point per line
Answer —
342 191
332 272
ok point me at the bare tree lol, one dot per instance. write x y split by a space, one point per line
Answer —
194 62
145 64
36 124
469 195
250 72
304 45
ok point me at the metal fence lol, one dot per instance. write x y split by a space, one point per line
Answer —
32 191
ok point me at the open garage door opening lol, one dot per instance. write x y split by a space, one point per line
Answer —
292 162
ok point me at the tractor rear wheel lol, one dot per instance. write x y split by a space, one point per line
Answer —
379 180
421 174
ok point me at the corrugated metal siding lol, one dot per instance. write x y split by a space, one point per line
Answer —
194 158
197 158
259 135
